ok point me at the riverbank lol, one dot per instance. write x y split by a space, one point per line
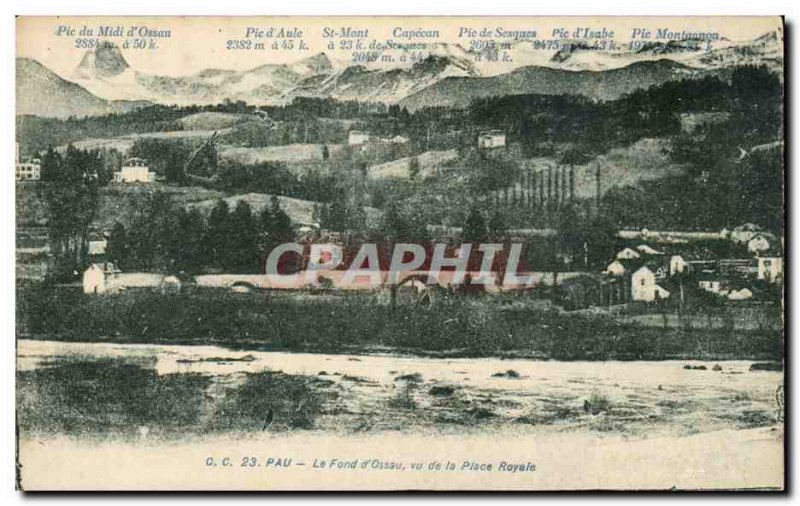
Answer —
104 390
141 409
499 326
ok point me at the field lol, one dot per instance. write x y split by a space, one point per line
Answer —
428 161
291 153
644 160
118 202
125 142
212 120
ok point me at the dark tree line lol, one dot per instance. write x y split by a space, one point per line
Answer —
168 157
71 197
172 240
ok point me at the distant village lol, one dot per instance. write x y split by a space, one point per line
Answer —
650 267
739 266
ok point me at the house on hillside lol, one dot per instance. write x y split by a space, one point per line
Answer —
677 265
709 281
491 139
770 269
134 170
106 278
698 256
760 242
684 263
627 266
743 233
97 249
98 277
638 279
357 138
740 294
627 254
28 170
647 250
616 268
644 286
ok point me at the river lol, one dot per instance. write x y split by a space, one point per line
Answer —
583 424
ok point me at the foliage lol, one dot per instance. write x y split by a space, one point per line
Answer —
167 239
71 197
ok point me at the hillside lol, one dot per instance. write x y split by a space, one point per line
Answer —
389 86
211 120
598 85
399 168
300 211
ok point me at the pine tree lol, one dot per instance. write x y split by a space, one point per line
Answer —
117 248
475 226
243 237
51 165
497 226
217 234
413 167
189 232
71 199
395 225
281 230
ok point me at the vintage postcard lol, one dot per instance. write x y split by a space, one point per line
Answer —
400 253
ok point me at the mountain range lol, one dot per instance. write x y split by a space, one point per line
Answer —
104 82
41 92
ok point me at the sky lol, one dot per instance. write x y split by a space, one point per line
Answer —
197 43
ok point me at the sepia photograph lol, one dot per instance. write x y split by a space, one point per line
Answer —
400 253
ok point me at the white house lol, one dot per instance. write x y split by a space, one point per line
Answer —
742 294
397 139
27 170
615 268
770 268
357 138
758 243
30 170
744 233
134 170
491 139
104 277
97 247
677 265
628 254
647 250
644 286
98 278
710 282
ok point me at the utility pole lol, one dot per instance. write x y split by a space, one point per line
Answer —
571 182
597 184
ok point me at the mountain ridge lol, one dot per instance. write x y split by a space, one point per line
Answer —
593 84
451 75
63 98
